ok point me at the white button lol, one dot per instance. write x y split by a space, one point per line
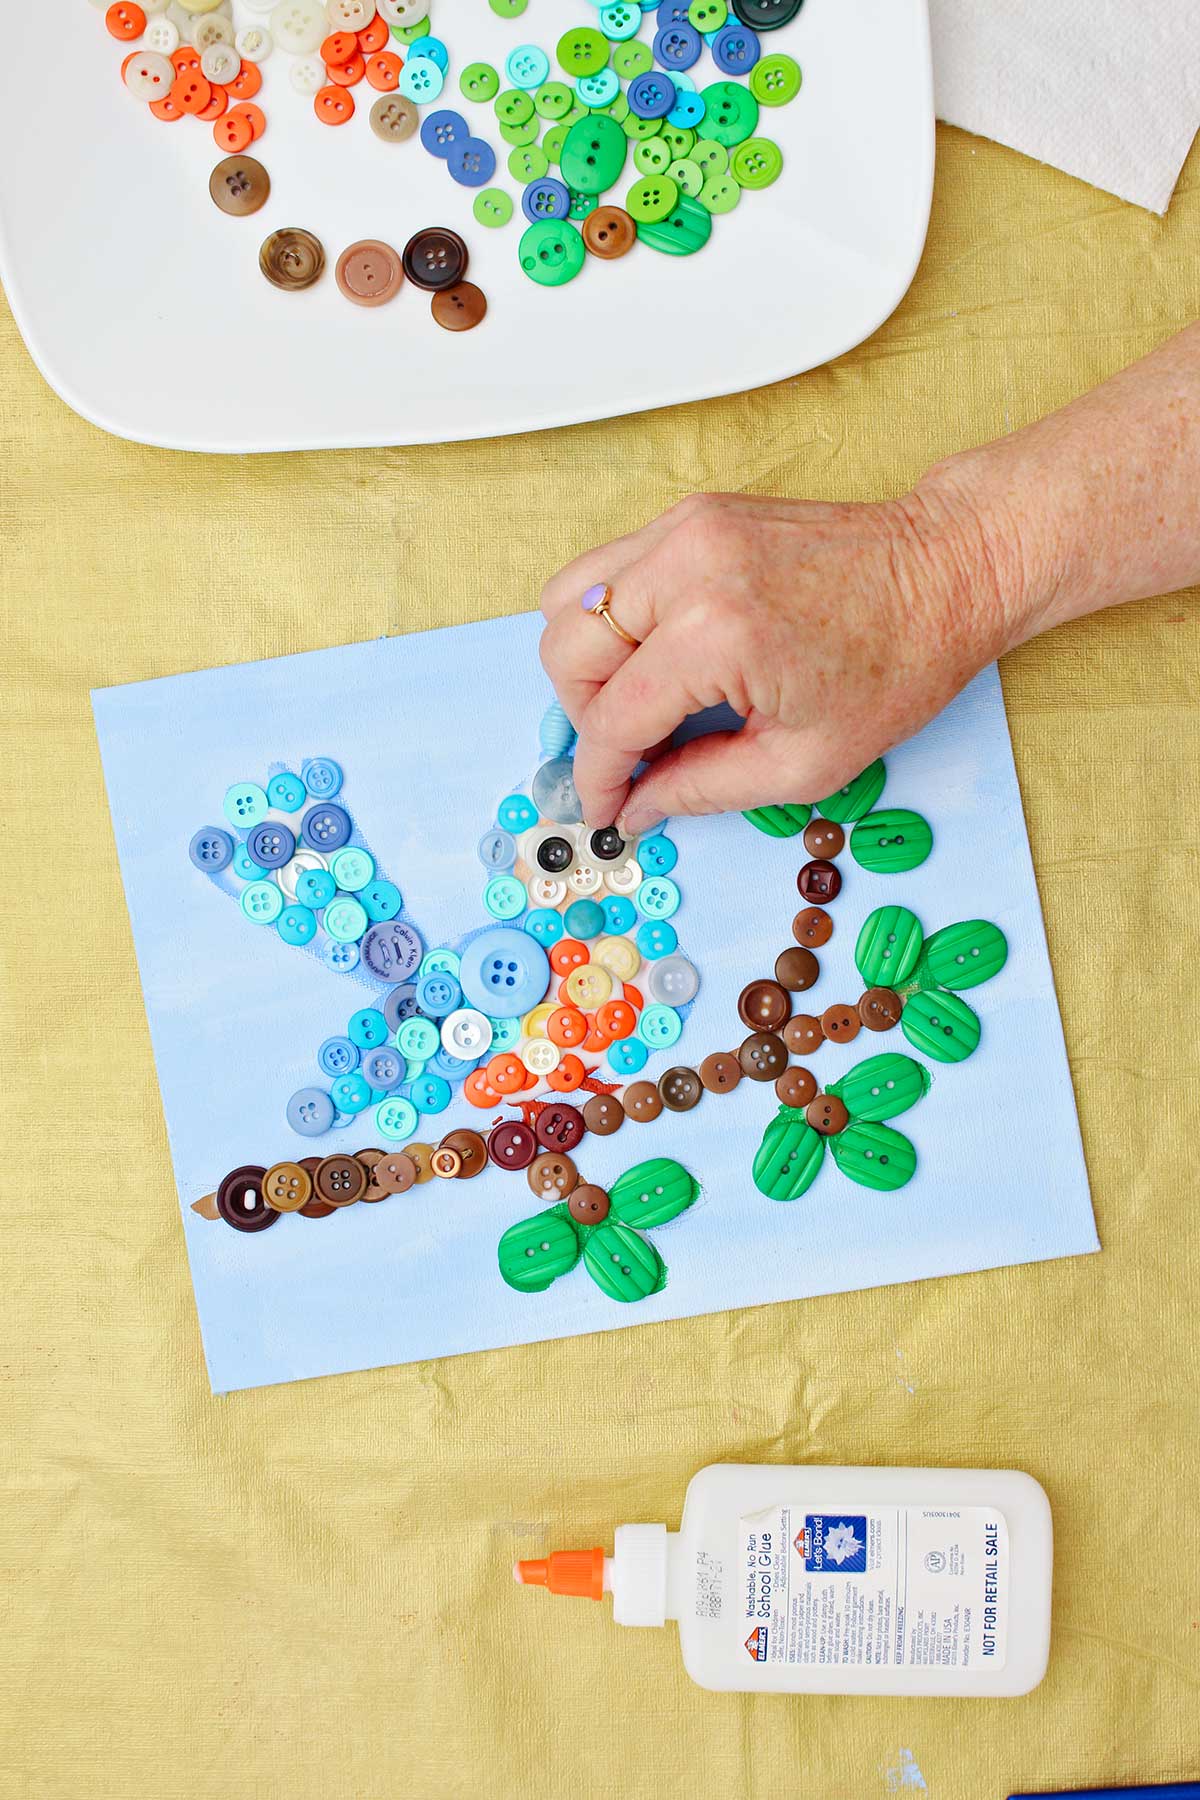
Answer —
626 878
350 15
403 12
299 26
308 74
217 30
540 1056
672 981
162 35
289 875
220 63
149 76
584 879
259 6
254 44
466 1034
547 890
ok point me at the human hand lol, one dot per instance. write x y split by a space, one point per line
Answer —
835 631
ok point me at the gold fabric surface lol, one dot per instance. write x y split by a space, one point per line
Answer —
303 1593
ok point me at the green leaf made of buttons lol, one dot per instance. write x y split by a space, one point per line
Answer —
624 1265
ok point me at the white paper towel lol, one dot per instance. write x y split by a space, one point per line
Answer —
1108 90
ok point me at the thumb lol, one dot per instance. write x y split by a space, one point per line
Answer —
727 771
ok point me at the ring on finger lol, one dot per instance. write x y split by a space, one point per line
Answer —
598 601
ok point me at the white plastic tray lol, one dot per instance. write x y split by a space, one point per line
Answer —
144 308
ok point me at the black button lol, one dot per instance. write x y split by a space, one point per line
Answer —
554 854
766 15
607 845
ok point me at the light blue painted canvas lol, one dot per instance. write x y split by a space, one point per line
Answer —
431 731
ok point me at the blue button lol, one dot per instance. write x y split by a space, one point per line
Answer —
384 1068
454 1068
399 1004
547 198
659 1026
651 96
584 919
368 1028
441 131
315 888
472 163
678 46
504 972
506 1035
338 1056
261 902
211 850
381 900
245 804
341 958
658 897
270 845
351 1093
341 1120
431 1094
242 867
545 925
310 1112
418 1038
438 995
296 924
671 12
657 855
516 813
689 109
735 49
392 950
655 939
439 962
497 851
504 897
321 777
286 792
620 914
433 48
627 1056
326 827
396 1117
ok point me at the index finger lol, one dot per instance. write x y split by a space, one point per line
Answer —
637 707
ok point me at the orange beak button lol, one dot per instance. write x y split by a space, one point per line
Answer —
576 1573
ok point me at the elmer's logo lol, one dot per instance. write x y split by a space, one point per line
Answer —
801 1542
756 1643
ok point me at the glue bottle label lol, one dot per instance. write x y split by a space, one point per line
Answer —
883 1586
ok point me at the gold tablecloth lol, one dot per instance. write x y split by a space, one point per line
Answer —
304 1592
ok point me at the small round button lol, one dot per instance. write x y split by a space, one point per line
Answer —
292 258
812 927
394 118
764 1005
552 1176
211 850
609 232
310 1112
603 1115
720 1072
434 259
827 1114
880 1008
446 1163
642 1102
802 1034
287 1187
672 980
796 969
763 1056
819 881
239 185
340 1180
369 272
588 1205
459 308
394 1173
841 1023
680 1089
824 838
796 1087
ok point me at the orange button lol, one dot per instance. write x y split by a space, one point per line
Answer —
633 995
254 116
191 93
234 132
617 1018
567 1027
185 60
479 1090
374 37
568 1076
383 70
246 82
338 48
125 20
216 106
166 109
347 74
506 1073
568 954
597 1039
334 105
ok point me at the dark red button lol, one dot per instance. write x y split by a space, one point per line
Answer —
559 1127
819 881
435 258
241 1202
764 1005
512 1145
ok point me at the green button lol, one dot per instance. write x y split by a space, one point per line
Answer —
479 81
525 133
652 156
582 51
775 80
732 112
686 229
756 163
632 59
514 106
651 199
687 176
408 34
633 127
553 100
583 204
593 155
508 9
528 163
679 139
720 194
617 109
552 252
708 15
554 140
711 158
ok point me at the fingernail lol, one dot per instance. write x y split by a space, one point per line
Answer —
635 820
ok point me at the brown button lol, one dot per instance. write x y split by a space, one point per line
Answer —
802 1034
469 1148
827 1115
446 1163
642 1102
822 837
393 118
369 273
796 968
459 308
239 185
419 1156
609 232
552 1176
796 1087
511 1145
812 927
241 1201
292 258
588 1204
314 1208
393 1174
603 1113
340 1179
286 1187
880 1009
841 1023
369 1158
559 1127
435 258
720 1072
763 1005
819 881
680 1089
763 1056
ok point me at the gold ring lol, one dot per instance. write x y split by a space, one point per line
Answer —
602 609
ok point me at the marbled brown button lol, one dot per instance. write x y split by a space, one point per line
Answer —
588 1204
642 1101
796 968
239 185
609 232
559 1127
720 1072
459 308
470 1148
286 1187
512 1145
435 258
802 1034
393 1174
393 118
763 1005
241 1201
763 1056
819 881
841 1023
419 1156
340 1179
796 1087
292 258
369 272
316 1208
880 1008
812 927
552 1176
680 1089
604 1114
827 1115
823 837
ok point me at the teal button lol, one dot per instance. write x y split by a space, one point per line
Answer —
545 925
658 897
439 962
396 1117
516 813
315 888
346 919
418 1040
286 792
262 902
297 924
368 1029
244 865
352 869
584 919
504 897
351 1093
245 803
600 89
506 1034
659 1026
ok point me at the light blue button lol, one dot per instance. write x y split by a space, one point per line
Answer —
315 888
658 897
620 21
452 1067
297 924
504 897
672 981
341 1120
286 792
497 850
620 914
438 995
600 89
346 919
418 1039
368 1028
433 48
627 1056
262 902
506 1035
338 1056
516 813
657 855
310 1112
431 1094
351 1093
439 962
322 777
211 850
504 972
244 865
380 900
245 803
421 80
384 1068
527 66
545 925
341 958
659 1026
352 869
396 1117
654 940
584 919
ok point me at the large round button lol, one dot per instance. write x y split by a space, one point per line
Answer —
459 308
796 969
393 118
588 1205
292 258
239 185
435 258
609 232
812 927
394 1173
392 951
287 1186
802 1034
504 972
551 252
369 273
340 1180
552 1176
764 1005
720 1072
470 1148
241 1201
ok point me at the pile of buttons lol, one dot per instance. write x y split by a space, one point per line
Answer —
213 77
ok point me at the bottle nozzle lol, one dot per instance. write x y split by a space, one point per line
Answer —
579 1573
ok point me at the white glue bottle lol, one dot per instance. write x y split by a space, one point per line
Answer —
810 1580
